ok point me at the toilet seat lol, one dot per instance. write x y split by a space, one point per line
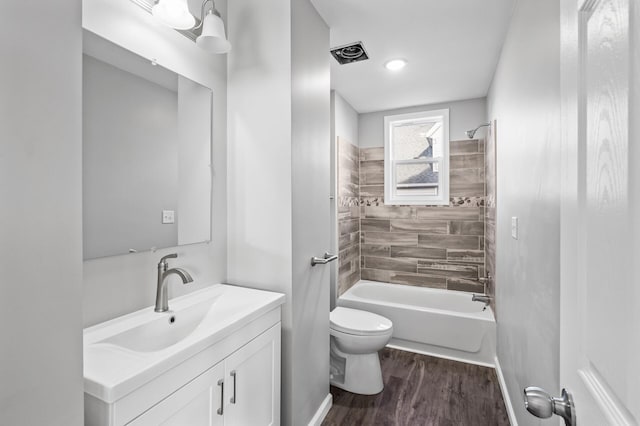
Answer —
359 323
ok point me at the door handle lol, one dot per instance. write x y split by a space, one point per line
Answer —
221 409
324 260
539 403
233 398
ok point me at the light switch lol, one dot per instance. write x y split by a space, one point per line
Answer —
514 227
168 216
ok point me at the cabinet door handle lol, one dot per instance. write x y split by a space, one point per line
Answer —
233 398
221 409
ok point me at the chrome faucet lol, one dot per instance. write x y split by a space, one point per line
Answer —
481 298
162 298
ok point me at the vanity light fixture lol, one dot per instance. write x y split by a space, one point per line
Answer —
395 64
175 14
212 38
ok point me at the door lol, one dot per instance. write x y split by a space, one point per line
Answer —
252 379
600 283
198 403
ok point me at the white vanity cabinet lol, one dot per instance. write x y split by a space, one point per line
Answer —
226 371
244 389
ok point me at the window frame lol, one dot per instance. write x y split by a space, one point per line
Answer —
390 195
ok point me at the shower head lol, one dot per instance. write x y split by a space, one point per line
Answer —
472 133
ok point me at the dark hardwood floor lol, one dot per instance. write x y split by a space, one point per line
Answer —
423 390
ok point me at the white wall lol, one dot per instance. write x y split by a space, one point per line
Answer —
121 284
41 215
525 99
278 125
463 115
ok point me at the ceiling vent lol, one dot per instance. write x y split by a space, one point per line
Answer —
353 52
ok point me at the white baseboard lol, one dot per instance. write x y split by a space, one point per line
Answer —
505 394
322 412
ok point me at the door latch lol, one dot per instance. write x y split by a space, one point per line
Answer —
539 403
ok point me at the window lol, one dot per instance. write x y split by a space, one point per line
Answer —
416 158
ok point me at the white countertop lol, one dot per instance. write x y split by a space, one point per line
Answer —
111 370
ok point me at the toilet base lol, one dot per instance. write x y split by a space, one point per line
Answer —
362 373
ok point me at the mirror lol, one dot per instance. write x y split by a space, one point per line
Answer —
146 154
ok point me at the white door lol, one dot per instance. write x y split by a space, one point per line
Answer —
252 382
600 280
198 403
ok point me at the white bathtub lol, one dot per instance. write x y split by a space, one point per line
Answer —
435 322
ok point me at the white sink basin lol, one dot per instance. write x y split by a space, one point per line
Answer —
167 329
122 354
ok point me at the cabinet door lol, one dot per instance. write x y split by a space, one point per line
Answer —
197 403
253 377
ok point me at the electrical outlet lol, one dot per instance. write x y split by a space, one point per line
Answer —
514 227
168 216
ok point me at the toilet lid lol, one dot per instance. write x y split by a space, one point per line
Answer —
355 321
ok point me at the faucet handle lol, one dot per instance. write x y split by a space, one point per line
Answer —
169 256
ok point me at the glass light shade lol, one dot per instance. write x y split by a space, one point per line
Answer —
213 37
174 13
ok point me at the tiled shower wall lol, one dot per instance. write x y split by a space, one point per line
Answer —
348 215
490 211
431 246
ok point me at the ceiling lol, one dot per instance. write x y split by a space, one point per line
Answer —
451 46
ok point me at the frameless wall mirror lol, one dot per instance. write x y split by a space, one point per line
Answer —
146 154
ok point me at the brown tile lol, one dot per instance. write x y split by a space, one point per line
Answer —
420 226
372 172
471 256
347 240
444 269
417 280
372 191
348 281
449 241
465 285
368 154
375 225
468 146
349 226
458 176
375 275
418 252
462 189
466 228
388 264
348 255
374 250
450 213
391 238
389 212
467 161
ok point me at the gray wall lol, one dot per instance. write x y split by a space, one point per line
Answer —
525 99
278 148
130 129
41 215
345 119
463 115
310 80
121 284
344 125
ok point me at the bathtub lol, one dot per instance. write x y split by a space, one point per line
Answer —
435 322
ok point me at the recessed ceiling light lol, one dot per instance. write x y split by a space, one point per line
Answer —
395 64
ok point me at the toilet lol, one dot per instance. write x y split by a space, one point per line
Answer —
356 337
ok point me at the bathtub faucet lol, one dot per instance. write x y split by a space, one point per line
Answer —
481 298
